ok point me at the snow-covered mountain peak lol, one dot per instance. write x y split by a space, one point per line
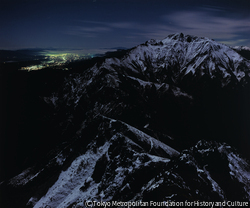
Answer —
130 128
183 38
179 55
241 48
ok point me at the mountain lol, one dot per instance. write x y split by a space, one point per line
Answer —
21 55
192 56
167 121
243 51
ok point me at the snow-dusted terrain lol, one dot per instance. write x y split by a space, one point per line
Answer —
198 56
159 124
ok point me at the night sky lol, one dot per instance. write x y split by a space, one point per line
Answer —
98 25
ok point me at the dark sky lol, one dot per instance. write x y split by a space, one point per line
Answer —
97 25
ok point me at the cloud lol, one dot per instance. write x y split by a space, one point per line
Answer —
86 31
211 8
226 29
209 25
238 42
123 25
211 22
95 28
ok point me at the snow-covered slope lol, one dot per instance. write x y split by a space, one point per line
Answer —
242 48
243 51
198 56
158 63
209 171
121 163
115 152
179 55
130 129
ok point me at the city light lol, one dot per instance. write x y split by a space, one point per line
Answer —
55 59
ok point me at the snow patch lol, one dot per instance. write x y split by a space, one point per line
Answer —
238 169
66 189
60 159
215 185
152 141
23 178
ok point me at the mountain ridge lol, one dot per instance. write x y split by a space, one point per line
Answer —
158 123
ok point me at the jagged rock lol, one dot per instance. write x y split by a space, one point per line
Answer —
130 129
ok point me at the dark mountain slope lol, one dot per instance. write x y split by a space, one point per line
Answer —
134 128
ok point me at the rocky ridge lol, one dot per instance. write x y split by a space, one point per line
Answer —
133 128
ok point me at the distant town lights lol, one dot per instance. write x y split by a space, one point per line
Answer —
56 60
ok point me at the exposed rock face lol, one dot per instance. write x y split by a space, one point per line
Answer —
132 129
